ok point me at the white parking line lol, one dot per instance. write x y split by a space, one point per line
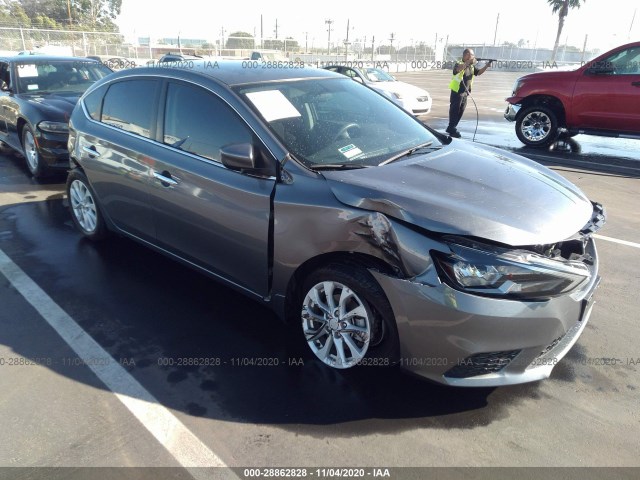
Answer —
615 240
185 447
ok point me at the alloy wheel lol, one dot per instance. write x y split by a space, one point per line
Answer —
336 324
83 206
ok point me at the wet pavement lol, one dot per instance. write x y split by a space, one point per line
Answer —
237 378
486 120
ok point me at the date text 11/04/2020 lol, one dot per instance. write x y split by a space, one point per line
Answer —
279 362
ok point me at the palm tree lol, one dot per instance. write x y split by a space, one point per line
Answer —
561 7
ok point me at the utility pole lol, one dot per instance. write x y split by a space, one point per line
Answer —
373 44
584 49
495 35
346 43
306 42
276 28
328 23
261 33
391 39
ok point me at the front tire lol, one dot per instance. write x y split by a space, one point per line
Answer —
537 126
347 319
84 207
31 154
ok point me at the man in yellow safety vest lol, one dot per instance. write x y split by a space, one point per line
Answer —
463 73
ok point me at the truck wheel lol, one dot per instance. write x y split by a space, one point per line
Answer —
537 126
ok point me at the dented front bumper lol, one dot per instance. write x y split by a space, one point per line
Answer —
464 339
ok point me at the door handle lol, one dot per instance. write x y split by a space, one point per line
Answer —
635 84
165 179
93 153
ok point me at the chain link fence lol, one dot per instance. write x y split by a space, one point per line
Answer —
69 42
406 56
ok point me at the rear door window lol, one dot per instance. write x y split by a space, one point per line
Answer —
129 105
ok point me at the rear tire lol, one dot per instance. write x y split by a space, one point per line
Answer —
537 126
84 207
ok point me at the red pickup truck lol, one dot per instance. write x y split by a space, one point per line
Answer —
602 97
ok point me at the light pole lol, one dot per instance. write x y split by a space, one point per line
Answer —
328 23
347 43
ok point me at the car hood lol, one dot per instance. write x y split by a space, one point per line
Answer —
399 87
56 104
550 75
465 189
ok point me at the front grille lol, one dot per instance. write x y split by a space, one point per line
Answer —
482 364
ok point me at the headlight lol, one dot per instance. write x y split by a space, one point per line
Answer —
54 127
505 273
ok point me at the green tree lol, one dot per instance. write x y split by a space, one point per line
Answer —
43 21
292 44
386 50
12 14
99 14
240 40
81 14
273 44
561 7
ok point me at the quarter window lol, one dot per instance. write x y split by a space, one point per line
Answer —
198 122
129 105
93 102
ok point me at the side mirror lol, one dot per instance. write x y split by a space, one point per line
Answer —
238 157
243 157
4 86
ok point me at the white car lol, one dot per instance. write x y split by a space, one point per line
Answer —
413 99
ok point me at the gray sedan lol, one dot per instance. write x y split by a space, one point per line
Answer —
380 240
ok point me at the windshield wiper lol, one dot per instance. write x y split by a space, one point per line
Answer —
338 166
409 152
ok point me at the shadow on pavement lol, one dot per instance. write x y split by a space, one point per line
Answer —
206 350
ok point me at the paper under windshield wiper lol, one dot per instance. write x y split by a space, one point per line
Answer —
409 152
338 166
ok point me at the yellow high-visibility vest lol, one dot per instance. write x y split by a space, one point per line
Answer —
454 84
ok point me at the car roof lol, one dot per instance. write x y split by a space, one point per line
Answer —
231 72
353 67
44 58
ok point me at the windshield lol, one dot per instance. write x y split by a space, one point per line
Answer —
377 75
58 77
336 122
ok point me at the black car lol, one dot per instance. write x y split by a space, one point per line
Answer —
37 95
